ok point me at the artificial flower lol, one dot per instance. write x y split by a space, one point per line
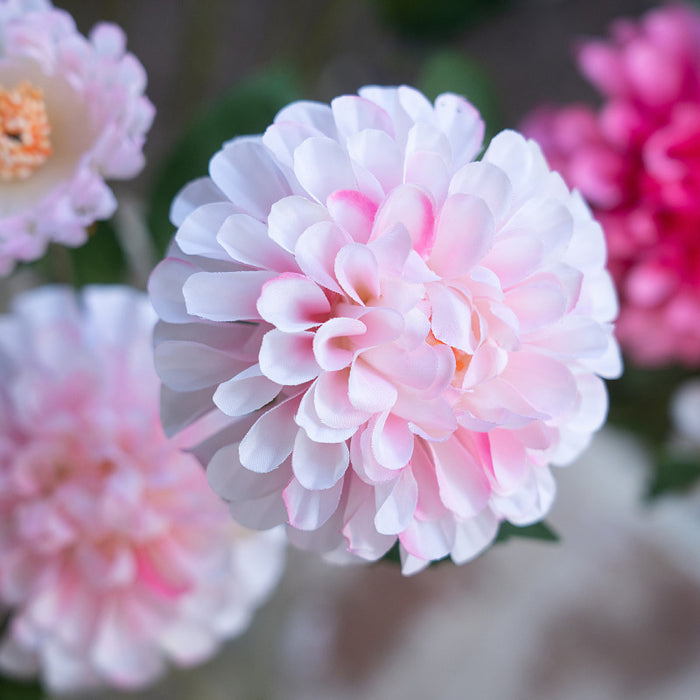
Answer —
637 162
116 555
408 337
72 114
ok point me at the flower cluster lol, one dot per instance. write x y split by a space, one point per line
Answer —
116 555
72 112
637 162
407 337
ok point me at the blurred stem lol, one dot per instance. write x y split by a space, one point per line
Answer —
61 267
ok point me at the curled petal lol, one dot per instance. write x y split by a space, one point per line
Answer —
292 303
308 510
318 466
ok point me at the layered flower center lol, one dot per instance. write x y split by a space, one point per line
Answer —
24 131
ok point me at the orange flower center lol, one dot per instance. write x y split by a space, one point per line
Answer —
24 131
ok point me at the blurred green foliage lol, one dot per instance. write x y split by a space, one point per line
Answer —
101 260
246 109
451 71
674 474
19 690
639 401
434 19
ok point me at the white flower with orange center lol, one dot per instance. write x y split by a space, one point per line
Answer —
408 337
72 114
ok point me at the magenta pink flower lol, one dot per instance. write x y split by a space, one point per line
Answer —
409 337
116 555
637 162
72 113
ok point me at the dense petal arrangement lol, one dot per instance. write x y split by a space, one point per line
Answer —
408 337
116 555
72 113
637 162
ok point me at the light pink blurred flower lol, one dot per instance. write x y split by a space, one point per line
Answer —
637 162
409 337
72 114
116 555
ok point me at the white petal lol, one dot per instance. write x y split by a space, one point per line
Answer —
288 358
245 171
232 481
188 366
392 441
165 289
318 466
193 195
462 124
198 233
260 513
292 302
368 391
332 404
225 296
410 206
313 114
545 383
245 239
308 418
474 536
331 345
290 217
308 510
379 154
353 212
316 250
322 166
464 487
353 114
465 231
357 272
248 391
396 504
486 181
271 439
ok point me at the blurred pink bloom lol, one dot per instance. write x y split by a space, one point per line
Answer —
116 555
72 113
637 162
409 337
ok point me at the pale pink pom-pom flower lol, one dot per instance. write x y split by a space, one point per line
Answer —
116 555
408 337
72 114
637 162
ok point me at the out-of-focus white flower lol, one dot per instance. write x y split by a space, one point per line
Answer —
72 113
409 337
116 555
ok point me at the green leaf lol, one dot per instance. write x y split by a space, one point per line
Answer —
674 474
451 71
538 531
247 109
11 689
101 260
